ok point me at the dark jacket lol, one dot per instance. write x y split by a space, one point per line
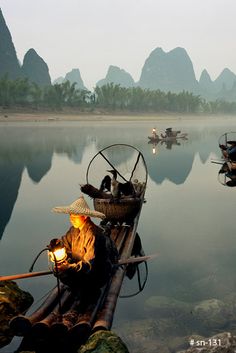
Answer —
232 153
97 274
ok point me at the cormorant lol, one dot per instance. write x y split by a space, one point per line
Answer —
106 184
117 188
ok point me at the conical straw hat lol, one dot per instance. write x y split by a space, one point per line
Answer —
79 207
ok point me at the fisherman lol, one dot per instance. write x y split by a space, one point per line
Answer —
229 151
154 134
169 132
90 252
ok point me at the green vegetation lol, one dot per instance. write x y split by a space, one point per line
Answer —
22 93
110 97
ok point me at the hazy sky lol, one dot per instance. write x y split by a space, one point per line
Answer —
93 34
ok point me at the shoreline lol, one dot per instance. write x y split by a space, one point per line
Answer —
8 116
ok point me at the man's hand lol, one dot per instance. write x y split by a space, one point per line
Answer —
63 266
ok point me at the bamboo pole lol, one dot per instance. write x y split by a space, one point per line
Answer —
36 274
80 332
105 315
137 259
68 320
24 275
40 330
114 234
21 324
217 162
121 238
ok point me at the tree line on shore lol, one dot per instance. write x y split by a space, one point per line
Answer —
110 97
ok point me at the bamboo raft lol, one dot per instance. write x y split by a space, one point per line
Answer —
167 139
48 329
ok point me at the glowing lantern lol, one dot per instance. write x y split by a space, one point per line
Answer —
57 251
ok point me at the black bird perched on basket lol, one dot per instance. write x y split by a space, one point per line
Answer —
106 183
117 188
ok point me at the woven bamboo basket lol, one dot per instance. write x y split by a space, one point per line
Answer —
125 209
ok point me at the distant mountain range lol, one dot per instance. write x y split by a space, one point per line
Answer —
173 71
168 71
33 68
73 77
117 76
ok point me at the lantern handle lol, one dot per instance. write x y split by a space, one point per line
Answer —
32 266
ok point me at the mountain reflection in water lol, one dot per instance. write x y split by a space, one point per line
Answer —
32 148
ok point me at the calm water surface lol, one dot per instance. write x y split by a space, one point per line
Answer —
189 219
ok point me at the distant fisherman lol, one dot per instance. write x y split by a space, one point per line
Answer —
229 151
154 134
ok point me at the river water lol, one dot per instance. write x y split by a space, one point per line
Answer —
189 219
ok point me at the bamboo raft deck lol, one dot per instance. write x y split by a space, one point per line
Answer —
49 330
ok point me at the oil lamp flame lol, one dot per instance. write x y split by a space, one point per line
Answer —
57 251
59 254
